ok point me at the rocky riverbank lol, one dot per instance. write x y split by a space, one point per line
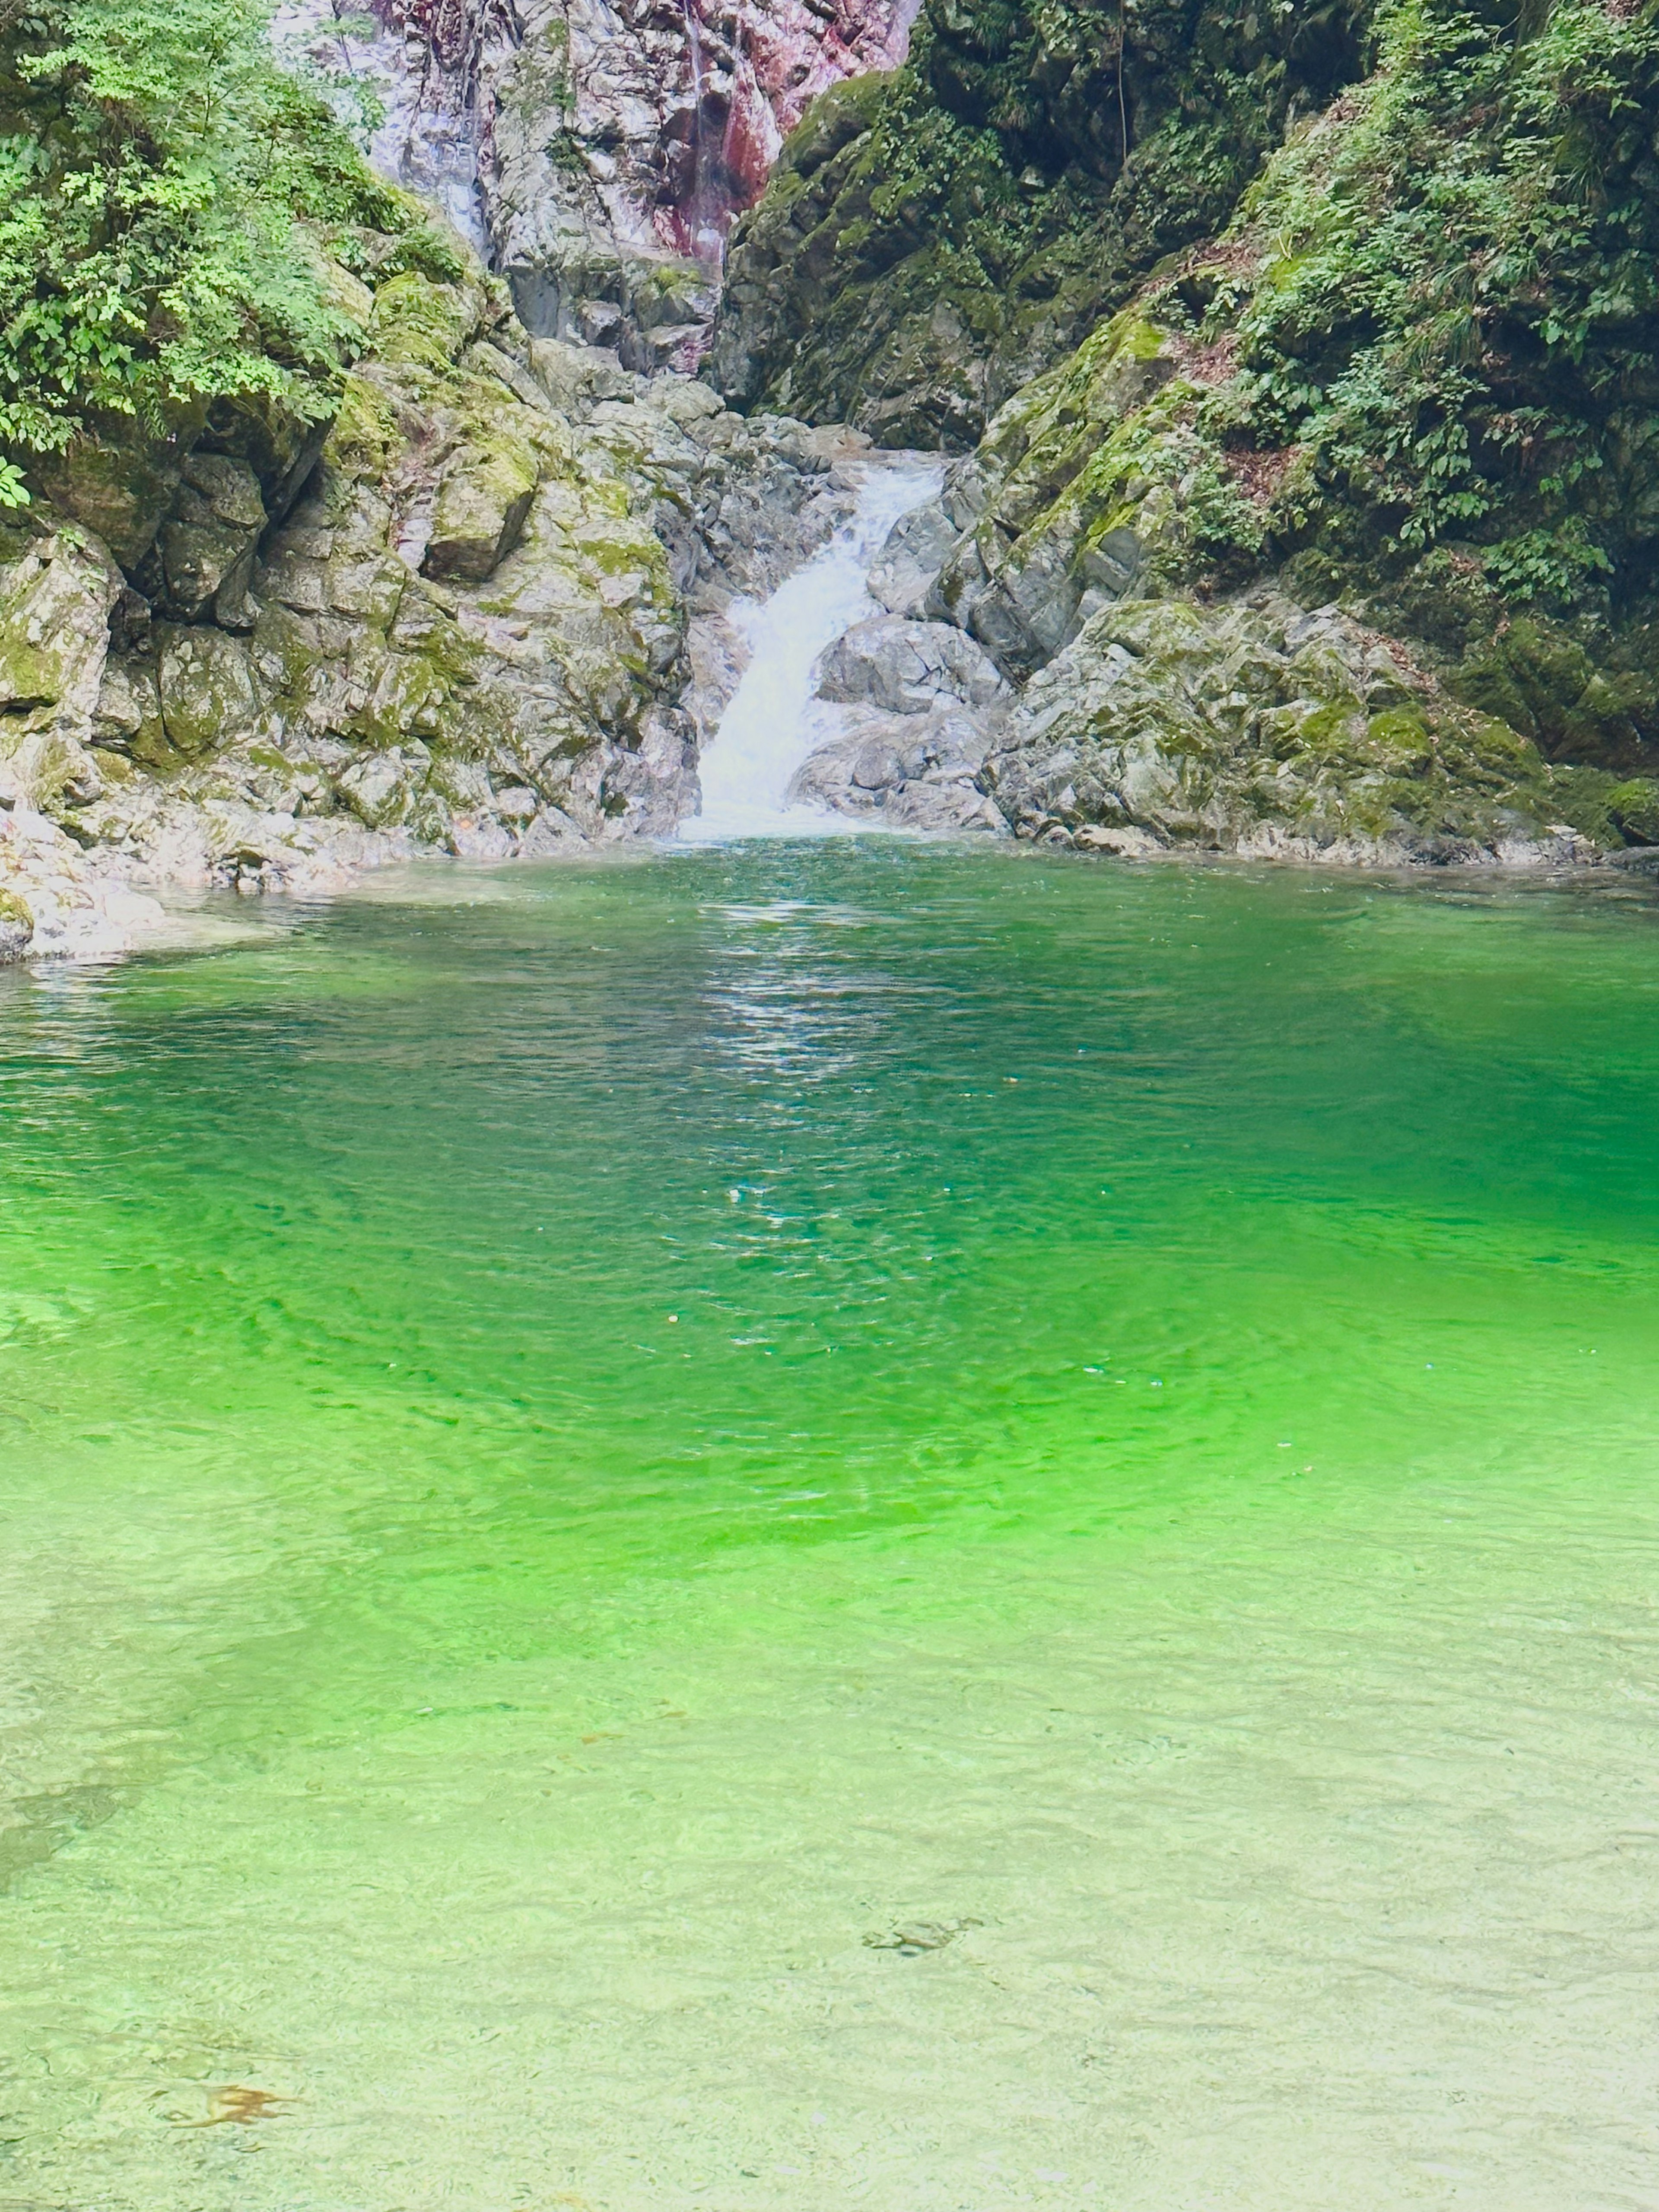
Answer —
436 560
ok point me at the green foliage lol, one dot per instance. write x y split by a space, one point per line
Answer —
1457 286
1633 808
1163 473
164 193
994 188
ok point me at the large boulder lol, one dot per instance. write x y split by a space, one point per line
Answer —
918 545
909 667
917 772
478 515
206 694
1256 726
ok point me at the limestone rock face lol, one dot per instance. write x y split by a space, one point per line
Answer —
625 138
597 150
1255 727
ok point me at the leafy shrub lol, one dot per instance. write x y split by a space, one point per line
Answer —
1458 282
164 190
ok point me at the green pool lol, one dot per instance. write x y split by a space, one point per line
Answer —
839 1524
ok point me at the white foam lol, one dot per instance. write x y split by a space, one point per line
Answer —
771 724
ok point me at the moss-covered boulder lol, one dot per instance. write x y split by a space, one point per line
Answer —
56 590
205 690
482 498
1257 727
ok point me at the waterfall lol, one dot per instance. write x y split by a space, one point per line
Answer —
770 727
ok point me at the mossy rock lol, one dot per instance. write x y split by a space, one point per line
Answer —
932 240
1540 680
1248 726
364 437
482 499
55 600
420 324
207 692
1634 809
120 487
17 925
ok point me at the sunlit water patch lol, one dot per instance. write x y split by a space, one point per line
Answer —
829 1525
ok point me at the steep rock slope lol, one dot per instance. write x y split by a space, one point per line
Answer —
932 240
597 150
1341 535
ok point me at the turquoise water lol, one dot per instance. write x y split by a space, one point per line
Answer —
836 1524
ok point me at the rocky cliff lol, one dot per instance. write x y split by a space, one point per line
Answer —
468 632
1338 535
598 154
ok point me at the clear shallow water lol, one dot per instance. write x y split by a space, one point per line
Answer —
581 1445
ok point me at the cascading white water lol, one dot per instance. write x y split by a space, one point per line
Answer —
770 727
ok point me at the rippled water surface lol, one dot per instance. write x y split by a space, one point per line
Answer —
835 1525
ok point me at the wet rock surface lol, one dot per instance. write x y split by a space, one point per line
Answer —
909 667
916 705
918 772
468 634
58 901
